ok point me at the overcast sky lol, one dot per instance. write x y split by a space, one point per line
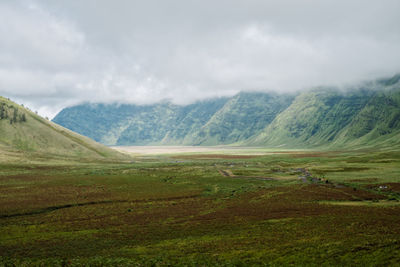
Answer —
59 53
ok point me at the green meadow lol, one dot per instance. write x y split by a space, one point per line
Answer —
259 207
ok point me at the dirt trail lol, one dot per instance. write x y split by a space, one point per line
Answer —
226 173
306 177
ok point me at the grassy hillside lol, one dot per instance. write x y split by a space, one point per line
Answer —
378 121
190 121
314 118
366 116
243 116
24 132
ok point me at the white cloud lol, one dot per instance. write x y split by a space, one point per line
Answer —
58 53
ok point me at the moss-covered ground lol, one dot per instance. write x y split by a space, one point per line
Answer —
286 208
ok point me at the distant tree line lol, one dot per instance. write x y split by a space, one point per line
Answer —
11 113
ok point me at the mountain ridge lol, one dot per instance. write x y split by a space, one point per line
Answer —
321 116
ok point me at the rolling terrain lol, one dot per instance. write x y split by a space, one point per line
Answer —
364 115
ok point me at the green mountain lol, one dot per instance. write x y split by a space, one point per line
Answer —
166 123
162 123
23 132
243 116
209 122
367 114
379 120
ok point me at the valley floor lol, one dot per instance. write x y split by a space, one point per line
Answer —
160 150
223 207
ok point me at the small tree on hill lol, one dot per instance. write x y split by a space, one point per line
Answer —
15 115
2 112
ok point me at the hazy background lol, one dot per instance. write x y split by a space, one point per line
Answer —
59 53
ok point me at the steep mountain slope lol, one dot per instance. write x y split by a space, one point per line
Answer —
190 120
148 124
22 131
209 122
162 123
367 115
243 116
166 123
379 120
313 118
95 120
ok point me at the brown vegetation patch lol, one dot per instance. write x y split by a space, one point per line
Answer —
394 187
145 224
366 180
53 208
285 202
317 192
311 154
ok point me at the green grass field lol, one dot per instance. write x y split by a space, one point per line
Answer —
228 209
